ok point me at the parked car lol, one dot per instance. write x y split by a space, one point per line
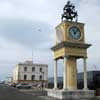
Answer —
1 82
24 86
13 85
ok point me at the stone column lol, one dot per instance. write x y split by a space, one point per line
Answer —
71 73
65 74
55 74
85 74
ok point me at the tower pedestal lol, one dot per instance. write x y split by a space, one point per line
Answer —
71 94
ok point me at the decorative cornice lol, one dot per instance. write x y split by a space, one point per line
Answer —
70 44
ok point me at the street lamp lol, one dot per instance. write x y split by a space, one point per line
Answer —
42 81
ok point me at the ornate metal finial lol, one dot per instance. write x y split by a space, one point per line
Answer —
69 13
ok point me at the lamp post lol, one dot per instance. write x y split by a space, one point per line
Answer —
42 81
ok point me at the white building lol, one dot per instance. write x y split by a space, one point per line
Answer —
29 72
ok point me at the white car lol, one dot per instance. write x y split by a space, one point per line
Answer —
1 82
24 86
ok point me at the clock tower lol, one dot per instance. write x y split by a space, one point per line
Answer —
70 46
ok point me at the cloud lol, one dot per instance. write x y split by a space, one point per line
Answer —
89 14
26 32
17 39
27 24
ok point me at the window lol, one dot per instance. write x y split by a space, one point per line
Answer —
40 69
40 77
33 69
25 68
25 77
33 77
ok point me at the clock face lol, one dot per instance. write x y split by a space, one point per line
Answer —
74 33
59 35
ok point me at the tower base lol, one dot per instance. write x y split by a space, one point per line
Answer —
71 94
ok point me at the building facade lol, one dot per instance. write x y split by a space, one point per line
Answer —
93 80
30 72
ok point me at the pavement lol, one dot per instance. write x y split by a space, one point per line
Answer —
10 93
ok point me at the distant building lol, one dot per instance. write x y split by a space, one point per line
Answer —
28 72
93 78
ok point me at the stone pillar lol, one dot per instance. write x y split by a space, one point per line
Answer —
55 74
65 74
71 73
85 74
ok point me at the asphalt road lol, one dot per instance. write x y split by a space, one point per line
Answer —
9 93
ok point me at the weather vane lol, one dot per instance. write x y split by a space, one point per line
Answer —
69 12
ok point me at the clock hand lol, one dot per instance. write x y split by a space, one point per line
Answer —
74 31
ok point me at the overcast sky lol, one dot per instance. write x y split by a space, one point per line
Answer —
27 25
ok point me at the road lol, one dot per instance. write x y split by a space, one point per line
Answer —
9 93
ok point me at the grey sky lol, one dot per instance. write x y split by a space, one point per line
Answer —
29 24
